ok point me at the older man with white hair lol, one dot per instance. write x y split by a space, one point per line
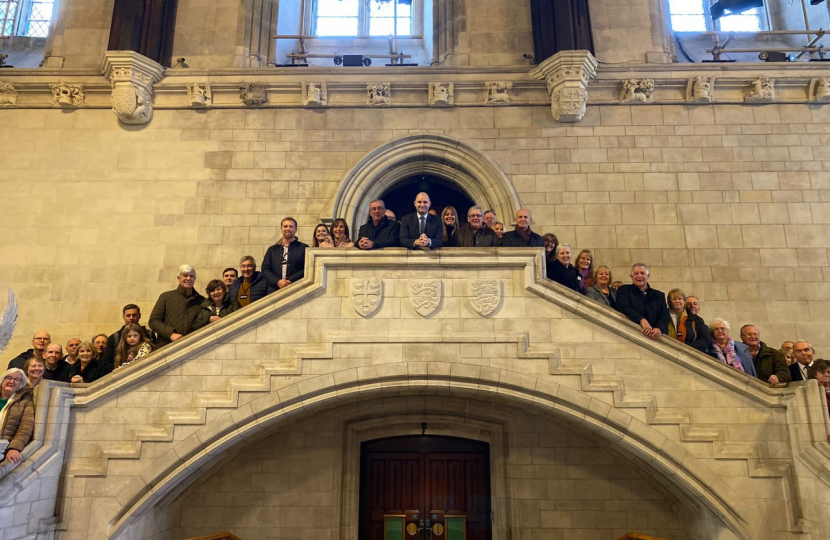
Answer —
172 316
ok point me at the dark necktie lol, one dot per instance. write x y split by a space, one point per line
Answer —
423 224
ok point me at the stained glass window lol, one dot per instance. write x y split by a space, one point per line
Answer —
8 10
39 18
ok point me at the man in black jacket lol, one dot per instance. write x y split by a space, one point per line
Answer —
131 314
803 354
522 236
644 305
40 341
421 230
252 286
172 316
284 262
379 232
475 233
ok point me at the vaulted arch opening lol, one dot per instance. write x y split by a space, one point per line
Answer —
467 170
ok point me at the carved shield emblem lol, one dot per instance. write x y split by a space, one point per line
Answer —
425 295
485 295
366 294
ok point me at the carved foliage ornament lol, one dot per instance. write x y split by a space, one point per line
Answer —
378 93
701 89
253 94
425 296
366 294
761 90
637 91
68 95
8 95
484 295
498 93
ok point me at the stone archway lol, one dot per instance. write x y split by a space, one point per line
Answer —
474 172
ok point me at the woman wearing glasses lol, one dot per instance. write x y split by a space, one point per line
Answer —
17 413
726 350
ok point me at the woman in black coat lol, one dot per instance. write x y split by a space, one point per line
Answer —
561 270
216 305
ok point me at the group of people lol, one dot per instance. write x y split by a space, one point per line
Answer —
184 310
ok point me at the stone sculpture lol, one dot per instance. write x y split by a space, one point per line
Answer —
132 77
441 93
378 93
498 93
68 95
566 75
8 95
199 95
637 90
485 295
701 89
314 94
253 94
762 90
366 294
820 90
8 322
425 296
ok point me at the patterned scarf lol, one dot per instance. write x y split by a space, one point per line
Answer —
728 356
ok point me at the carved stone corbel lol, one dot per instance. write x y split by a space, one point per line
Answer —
68 95
8 95
132 76
820 90
567 74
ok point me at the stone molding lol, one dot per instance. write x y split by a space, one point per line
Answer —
132 77
797 83
567 74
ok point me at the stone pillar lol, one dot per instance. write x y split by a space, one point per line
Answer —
567 74
132 77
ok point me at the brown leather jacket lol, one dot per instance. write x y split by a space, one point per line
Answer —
19 424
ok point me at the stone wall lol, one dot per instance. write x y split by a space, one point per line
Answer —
563 484
727 201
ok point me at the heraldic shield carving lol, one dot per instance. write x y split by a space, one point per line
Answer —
425 295
485 295
366 294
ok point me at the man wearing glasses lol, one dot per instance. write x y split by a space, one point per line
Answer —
475 234
40 341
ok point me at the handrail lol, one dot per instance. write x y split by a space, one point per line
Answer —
811 47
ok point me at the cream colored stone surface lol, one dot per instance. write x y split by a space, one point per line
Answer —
675 441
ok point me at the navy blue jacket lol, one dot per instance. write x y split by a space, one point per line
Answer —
272 263
411 231
259 286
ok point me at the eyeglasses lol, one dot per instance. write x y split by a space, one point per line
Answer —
718 329
10 378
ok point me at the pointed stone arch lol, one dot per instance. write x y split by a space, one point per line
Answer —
472 170
172 472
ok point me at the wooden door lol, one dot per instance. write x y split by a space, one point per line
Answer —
424 478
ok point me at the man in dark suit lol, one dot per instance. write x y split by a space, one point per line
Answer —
379 232
421 229
803 353
284 262
644 305
522 236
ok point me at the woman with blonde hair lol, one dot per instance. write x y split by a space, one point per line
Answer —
449 221
584 269
84 370
132 345
601 290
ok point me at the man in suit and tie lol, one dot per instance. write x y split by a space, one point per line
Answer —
421 229
803 353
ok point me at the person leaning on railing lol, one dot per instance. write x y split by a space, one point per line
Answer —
17 413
